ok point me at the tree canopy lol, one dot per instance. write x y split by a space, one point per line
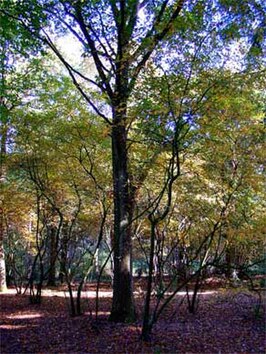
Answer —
145 144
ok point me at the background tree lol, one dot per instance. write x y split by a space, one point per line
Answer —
74 190
17 45
193 238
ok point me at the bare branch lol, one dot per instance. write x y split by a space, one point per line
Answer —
94 51
153 38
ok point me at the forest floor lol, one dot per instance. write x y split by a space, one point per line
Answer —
226 322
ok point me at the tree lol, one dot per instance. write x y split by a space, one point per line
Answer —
16 46
121 40
60 176
221 158
234 162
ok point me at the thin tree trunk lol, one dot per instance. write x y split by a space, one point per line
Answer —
53 256
146 327
63 255
3 285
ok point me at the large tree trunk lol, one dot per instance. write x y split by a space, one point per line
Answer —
123 303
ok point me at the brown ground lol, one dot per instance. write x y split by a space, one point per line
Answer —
225 323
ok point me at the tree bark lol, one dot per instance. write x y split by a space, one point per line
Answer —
3 285
53 256
123 303
63 254
147 325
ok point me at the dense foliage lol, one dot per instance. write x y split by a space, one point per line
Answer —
140 153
